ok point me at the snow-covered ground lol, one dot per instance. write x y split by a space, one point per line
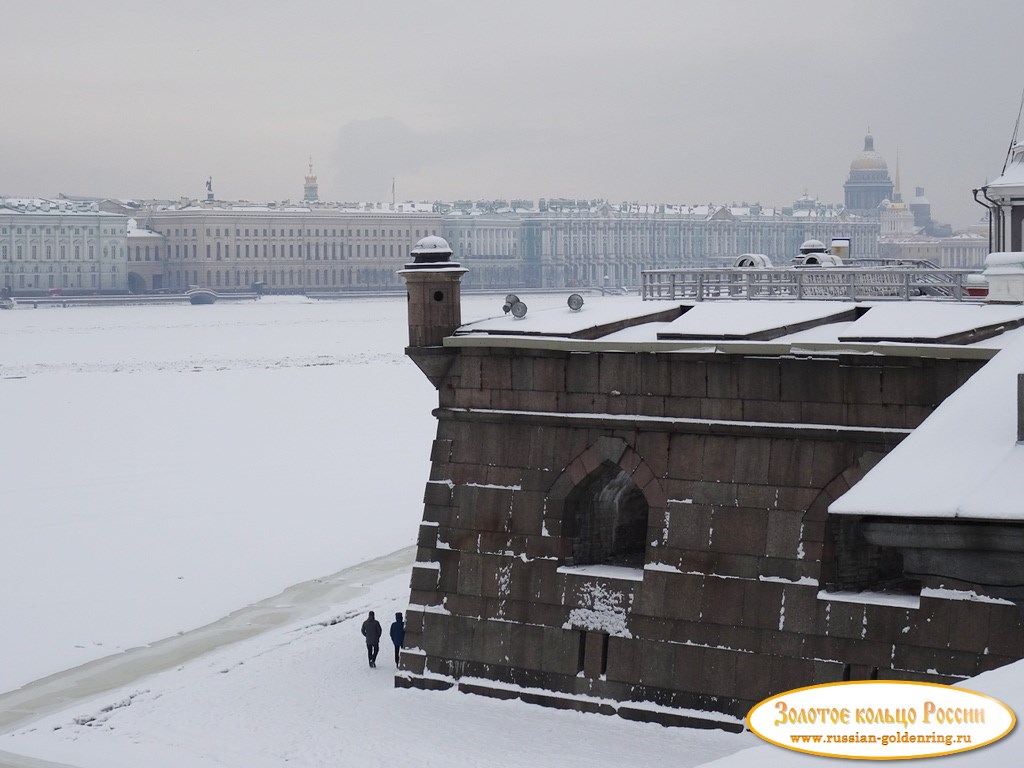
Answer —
163 467
303 695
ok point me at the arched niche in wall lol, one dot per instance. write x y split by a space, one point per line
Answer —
602 504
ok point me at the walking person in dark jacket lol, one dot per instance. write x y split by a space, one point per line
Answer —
397 634
371 631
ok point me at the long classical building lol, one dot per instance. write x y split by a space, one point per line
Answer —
61 245
570 244
288 248
316 246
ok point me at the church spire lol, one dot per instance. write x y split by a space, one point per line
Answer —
310 190
897 197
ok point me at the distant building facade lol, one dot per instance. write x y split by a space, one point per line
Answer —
581 244
965 250
61 245
289 248
146 252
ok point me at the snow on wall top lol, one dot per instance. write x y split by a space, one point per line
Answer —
806 321
742 319
925 320
963 461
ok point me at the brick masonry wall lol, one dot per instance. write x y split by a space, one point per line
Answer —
727 609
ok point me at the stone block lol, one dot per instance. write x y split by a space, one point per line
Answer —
461 604
494 642
682 407
785 674
438 494
549 373
595 653
782 536
700 632
544 582
435 513
683 596
650 627
526 646
805 380
441 451
656 664
739 531
459 539
496 370
582 373
427 536
801 608
469 370
470 574
424 577
654 448
719 409
690 526
686 456
759 379
783 466
527 512
752 673
826 672
845 620
619 371
522 372
1005 633
623 663
763 606
822 413
720 459
716 494
688 378
722 601
751 461
746 639
561 651
687 666
783 644
771 411
862 384
723 380
718 673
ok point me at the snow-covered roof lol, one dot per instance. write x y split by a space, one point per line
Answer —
963 461
1013 176
37 206
860 327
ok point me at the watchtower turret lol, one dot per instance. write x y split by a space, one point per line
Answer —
433 282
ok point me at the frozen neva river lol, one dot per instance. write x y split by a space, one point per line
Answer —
163 466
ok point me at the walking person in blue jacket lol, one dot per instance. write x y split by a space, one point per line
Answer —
397 634
371 631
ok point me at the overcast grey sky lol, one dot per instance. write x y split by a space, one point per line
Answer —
691 102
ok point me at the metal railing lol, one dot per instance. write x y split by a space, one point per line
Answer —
835 283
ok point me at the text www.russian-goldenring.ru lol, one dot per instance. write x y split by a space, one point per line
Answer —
948 739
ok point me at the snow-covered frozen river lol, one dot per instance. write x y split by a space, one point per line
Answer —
164 465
